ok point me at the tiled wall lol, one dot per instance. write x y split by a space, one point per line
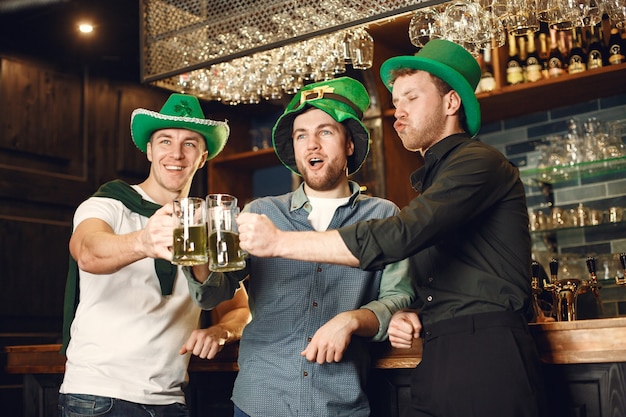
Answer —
517 138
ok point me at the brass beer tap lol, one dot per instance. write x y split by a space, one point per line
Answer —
536 289
618 280
593 284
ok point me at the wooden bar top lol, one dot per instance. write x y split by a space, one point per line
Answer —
583 341
46 359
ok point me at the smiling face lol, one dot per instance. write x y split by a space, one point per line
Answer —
321 147
176 155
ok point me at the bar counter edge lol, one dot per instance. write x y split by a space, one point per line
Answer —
575 342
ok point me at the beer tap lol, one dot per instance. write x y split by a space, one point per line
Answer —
564 293
593 284
618 280
553 285
536 289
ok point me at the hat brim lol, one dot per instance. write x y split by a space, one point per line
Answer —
145 122
283 141
447 74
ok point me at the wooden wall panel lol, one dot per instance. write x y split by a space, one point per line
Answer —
61 136
40 122
34 259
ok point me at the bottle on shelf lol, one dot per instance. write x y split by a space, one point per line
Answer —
522 52
533 65
514 72
595 49
555 60
577 60
487 81
616 48
544 54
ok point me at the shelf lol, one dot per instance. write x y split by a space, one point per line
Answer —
544 95
554 175
603 227
527 98
248 161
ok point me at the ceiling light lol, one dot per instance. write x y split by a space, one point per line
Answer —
85 28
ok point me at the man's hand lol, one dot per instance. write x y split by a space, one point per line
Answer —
331 340
205 343
257 234
158 235
99 250
404 327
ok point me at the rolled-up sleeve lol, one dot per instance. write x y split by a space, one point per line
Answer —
217 288
397 291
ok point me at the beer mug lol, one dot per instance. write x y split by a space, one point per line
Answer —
190 234
224 251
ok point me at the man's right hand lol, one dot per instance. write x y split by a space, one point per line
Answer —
404 328
257 234
158 235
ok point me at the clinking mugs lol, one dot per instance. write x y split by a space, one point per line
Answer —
224 251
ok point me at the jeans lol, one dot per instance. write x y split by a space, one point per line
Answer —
84 405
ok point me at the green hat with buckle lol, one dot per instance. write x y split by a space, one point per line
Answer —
180 111
450 62
344 99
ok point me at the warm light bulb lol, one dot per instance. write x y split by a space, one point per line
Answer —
85 28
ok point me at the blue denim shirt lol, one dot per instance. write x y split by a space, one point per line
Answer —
290 300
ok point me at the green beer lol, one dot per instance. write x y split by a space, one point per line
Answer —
190 248
225 253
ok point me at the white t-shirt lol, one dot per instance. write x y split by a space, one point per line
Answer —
125 336
323 210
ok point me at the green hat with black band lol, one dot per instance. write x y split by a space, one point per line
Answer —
450 62
180 111
344 99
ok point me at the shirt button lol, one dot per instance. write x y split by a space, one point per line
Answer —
429 298
308 339
314 303
428 333
431 279
305 373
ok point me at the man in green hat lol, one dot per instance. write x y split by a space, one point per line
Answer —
467 235
128 309
305 351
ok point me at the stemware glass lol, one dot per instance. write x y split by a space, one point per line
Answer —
361 49
424 25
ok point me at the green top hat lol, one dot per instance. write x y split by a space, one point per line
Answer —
180 111
344 99
450 62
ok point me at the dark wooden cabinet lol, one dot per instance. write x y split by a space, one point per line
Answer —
576 390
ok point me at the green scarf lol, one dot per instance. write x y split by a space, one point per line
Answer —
166 272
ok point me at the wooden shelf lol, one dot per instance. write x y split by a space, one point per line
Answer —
543 95
248 161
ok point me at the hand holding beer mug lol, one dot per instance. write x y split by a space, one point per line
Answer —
190 232
225 253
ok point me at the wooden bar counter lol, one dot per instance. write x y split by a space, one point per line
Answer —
584 363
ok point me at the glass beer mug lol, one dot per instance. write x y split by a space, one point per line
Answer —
224 251
190 234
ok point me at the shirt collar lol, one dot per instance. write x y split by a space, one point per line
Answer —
299 198
434 154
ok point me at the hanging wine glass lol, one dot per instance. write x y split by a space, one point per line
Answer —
424 25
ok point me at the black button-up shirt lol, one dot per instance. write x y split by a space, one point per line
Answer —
466 233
